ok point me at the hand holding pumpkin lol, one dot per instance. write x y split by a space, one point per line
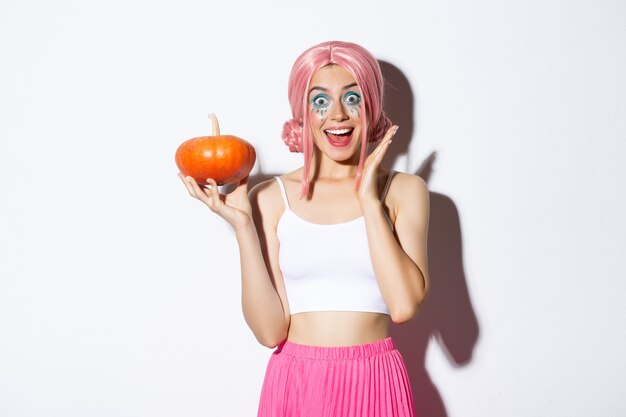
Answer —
233 207
218 160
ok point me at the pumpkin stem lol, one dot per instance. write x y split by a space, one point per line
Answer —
214 124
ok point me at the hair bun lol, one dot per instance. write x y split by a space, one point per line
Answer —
292 135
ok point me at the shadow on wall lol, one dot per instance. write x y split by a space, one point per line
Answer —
447 315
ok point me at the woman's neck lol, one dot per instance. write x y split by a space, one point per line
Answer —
325 168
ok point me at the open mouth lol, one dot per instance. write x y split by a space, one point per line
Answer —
339 137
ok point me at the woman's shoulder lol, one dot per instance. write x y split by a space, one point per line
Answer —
402 179
265 192
407 189
293 177
266 196
270 188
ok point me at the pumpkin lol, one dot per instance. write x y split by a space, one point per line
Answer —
224 158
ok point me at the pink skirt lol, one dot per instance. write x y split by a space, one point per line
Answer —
352 381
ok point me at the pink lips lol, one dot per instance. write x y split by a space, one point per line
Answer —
339 141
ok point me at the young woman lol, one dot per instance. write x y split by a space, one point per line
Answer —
332 251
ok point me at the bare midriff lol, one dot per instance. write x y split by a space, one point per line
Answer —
337 328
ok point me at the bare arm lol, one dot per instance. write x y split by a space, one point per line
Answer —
398 254
400 260
264 298
261 302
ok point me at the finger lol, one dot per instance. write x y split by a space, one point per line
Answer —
391 132
382 147
187 183
386 139
200 193
214 194
242 187
244 181
377 156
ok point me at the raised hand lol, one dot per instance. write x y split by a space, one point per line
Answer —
234 207
367 187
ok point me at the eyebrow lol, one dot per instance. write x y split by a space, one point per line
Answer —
316 87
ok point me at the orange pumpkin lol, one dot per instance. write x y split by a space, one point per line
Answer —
226 159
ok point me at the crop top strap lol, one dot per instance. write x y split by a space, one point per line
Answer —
283 192
384 193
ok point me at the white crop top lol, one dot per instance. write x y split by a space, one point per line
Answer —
327 267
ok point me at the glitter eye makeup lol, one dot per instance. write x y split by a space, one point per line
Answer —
352 99
320 104
320 101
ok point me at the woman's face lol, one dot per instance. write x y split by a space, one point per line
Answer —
335 109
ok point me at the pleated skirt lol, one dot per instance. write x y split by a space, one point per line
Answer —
348 381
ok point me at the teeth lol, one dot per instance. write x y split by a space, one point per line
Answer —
338 131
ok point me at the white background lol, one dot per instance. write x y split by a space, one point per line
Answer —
119 294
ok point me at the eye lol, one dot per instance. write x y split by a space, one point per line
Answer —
320 101
352 98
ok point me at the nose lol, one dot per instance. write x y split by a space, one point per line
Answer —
338 113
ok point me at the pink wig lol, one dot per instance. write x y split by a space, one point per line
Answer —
364 69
